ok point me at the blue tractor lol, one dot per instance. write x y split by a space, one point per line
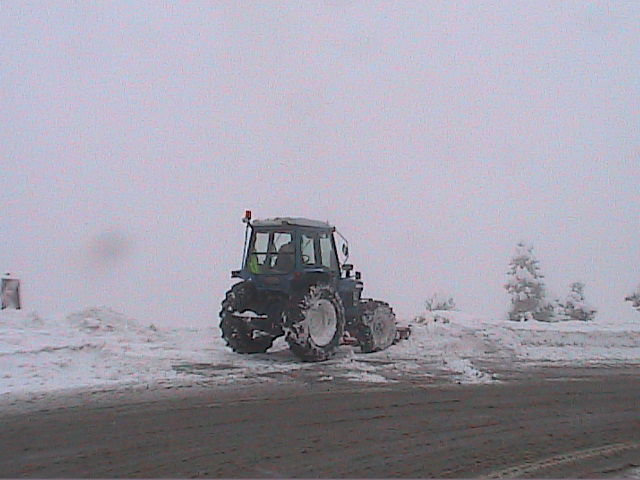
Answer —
293 284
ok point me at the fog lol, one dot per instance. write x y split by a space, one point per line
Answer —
434 135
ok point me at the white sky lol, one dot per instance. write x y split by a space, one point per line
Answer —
435 135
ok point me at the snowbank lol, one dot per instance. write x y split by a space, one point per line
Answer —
569 341
98 348
84 349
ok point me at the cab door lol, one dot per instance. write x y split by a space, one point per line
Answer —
317 255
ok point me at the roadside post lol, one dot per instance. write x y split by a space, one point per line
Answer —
10 292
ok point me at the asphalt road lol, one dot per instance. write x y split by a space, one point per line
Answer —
525 428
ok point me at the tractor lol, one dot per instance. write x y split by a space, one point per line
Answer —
293 285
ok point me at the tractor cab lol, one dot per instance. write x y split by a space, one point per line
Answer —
282 253
286 245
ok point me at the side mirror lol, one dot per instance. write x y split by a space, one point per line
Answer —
235 274
358 275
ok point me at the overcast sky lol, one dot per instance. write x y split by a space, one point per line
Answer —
434 135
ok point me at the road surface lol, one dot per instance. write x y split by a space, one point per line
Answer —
542 426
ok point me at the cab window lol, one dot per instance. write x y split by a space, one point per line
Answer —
283 260
259 249
327 253
271 252
308 249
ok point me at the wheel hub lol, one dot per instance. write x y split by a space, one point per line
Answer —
322 322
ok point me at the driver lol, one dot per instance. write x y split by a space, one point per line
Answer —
286 260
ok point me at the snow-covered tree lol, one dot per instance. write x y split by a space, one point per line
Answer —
634 298
526 287
439 301
558 307
576 307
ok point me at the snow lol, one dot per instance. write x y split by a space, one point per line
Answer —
576 342
88 348
634 473
99 348
524 275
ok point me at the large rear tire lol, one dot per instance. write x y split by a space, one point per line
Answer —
235 331
376 329
314 323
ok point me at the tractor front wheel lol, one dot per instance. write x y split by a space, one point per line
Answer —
314 323
376 329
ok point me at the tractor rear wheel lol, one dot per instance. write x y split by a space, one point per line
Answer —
235 330
314 323
376 329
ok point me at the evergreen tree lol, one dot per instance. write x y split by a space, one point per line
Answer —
526 287
634 298
575 306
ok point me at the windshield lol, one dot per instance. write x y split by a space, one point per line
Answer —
271 252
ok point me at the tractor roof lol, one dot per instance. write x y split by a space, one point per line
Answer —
291 221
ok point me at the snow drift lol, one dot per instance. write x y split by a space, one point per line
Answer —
98 348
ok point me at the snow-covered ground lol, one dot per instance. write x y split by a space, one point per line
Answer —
566 342
634 473
98 348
